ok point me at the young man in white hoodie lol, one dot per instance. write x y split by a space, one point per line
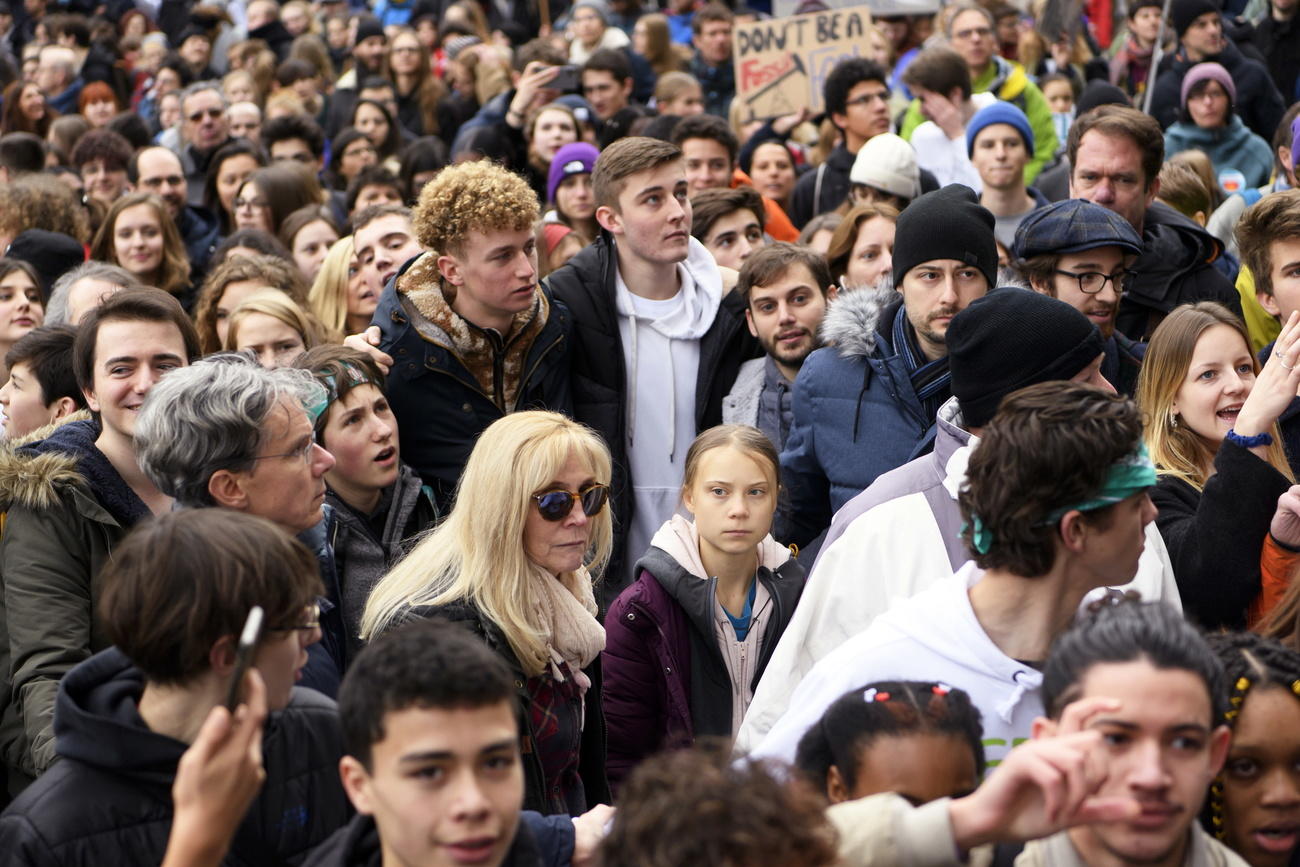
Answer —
656 343
1055 506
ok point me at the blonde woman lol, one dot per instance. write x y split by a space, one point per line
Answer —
1211 429
273 327
515 561
340 297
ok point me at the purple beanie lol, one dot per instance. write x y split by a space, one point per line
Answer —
1208 71
578 158
1295 142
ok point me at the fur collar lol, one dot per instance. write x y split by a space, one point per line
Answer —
855 319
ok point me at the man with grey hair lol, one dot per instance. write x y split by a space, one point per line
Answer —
56 75
84 288
228 433
204 128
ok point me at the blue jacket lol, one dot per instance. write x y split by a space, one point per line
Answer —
1229 147
442 407
856 414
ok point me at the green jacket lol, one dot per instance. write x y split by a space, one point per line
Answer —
58 534
1010 82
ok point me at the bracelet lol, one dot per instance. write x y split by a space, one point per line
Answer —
1263 439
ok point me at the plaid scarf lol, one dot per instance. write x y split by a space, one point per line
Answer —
931 380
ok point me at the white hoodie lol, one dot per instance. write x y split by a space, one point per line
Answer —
661 348
932 636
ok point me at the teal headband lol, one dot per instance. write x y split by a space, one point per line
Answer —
1128 476
354 376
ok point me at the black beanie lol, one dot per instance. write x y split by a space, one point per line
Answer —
1099 92
368 26
52 254
1183 12
949 223
1012 338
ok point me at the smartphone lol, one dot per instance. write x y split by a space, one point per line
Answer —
566 80
244 655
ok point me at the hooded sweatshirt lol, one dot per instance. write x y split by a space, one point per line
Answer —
931 636
661 350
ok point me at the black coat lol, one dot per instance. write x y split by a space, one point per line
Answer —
108 801
599 374
1214 535
1176 267
1279 42
591 759
1258 102
541 841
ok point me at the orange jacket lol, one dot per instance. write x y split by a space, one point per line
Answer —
1277 567
778 224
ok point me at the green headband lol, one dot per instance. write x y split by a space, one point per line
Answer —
355 376
1127 476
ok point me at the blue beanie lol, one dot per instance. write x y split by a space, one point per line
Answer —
576 158
999 112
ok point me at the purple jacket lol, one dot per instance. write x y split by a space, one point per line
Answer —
659 643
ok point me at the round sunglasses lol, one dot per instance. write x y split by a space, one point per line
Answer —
556 505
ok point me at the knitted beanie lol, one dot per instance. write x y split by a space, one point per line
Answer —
1135 5
1295 142
368 26
52 254
999 112
949 223
597 6
1099 92
1012 338
575 158
1183 12
552 235
887 163
1208 72
1072 226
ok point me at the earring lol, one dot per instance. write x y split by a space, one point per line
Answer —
1173 420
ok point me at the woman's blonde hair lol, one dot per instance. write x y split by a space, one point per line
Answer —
1176 449
745 439
477 554
173 274
660 53
277 305
328 298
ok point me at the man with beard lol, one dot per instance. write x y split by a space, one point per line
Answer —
866 403
786 288
1081 253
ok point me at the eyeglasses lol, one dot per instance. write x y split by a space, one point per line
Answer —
312 617
982 32
1092 282
302 453
556 505
213 113
868 98
241 202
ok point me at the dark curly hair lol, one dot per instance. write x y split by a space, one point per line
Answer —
1049 445
846 75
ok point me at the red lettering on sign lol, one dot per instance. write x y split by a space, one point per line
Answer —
756 73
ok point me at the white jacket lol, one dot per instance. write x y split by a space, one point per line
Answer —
932 636
888 553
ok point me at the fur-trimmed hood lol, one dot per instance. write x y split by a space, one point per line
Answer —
33 479
858 321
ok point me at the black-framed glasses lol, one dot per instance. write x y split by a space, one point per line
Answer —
556 505
311 621
1092 282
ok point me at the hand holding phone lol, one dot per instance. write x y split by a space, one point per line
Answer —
244 655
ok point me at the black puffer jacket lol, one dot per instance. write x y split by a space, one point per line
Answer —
1258 102
599 375
107 801
1176 267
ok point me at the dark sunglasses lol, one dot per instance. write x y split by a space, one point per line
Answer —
556 505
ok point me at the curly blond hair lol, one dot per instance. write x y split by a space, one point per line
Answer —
479 196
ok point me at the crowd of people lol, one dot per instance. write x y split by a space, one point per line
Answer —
450 432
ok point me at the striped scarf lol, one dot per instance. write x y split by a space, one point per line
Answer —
931 380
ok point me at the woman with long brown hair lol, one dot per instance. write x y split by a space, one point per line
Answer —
410 69
140 235
26 110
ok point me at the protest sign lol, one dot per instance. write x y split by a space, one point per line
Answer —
878 8
782 63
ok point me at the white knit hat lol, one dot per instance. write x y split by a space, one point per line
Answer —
888 163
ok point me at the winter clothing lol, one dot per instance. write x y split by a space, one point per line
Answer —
1009 82
934 635
949 159
1175 268
823 188
1258 101
540 841
1229 517
949 223
451 379
108 800
1207 71
1072 226
578 158
671 673
1183 12
367 546
901 534
67 509
1123 363
761 398
587 285
52 254
1130 69
576 717
1279 42
999 112
194 163
612 38
1230 148
200 231
887 163
857 413
718 83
